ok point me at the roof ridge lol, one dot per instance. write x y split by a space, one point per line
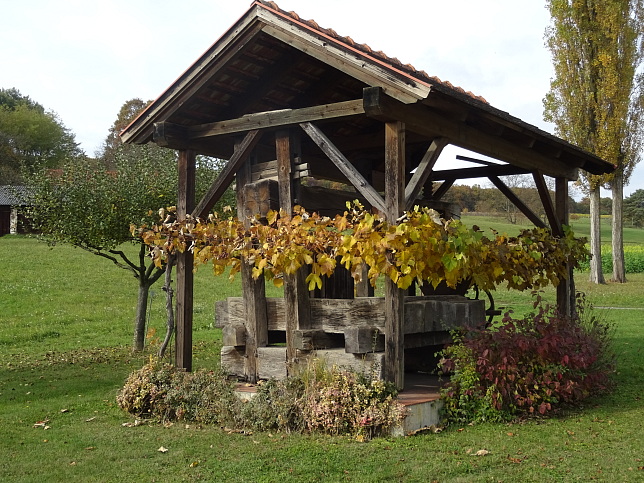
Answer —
408 69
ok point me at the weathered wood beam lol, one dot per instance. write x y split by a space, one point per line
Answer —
394 296
220 185
442 189
479 172
185 262
272 119
546 201
423 120
253 290
516 201
347 169
566 288
296 295
423 171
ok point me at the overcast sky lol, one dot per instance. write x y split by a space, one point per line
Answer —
83 59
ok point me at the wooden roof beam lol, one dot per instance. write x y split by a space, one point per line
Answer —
271 119
478 172
423 120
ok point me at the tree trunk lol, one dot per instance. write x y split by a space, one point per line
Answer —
596 273
138 342
619 269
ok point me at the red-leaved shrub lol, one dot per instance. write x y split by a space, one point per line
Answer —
529 365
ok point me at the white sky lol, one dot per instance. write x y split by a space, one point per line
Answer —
84 58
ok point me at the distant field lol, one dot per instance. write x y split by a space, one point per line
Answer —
581 227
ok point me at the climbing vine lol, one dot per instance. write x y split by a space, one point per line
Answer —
420 247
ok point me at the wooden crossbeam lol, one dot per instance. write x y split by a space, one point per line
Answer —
423 171
221 183
271 119
347 169
548 206
516 201
478 172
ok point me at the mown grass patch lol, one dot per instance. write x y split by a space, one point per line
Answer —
72 381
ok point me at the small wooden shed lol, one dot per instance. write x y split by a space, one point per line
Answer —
283 99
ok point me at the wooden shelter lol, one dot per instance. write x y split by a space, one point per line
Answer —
283 99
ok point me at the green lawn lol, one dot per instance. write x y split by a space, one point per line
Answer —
581 227
65 328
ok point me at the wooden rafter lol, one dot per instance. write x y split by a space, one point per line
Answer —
425 121
478 172
347 169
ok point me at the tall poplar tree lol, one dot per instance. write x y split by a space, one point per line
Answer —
596 99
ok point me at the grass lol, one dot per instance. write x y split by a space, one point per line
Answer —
65 329
581 227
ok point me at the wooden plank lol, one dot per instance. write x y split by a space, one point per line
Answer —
347 169
272 119
220 185
394 296
422 313
427 122
423 171
516 201
185 262
546 201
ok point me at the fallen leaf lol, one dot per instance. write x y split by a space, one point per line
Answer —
90 448
511 434
193 464
42 424
90 419
64 410
482 452
73 463
162 450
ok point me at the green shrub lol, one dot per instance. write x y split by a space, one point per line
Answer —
527 366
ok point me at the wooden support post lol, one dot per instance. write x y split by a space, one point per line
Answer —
185 280
394 297
253 291
566 289
296 295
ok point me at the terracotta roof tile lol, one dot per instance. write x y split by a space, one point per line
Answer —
394 62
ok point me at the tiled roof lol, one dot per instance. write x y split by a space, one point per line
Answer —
365 49
12 195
